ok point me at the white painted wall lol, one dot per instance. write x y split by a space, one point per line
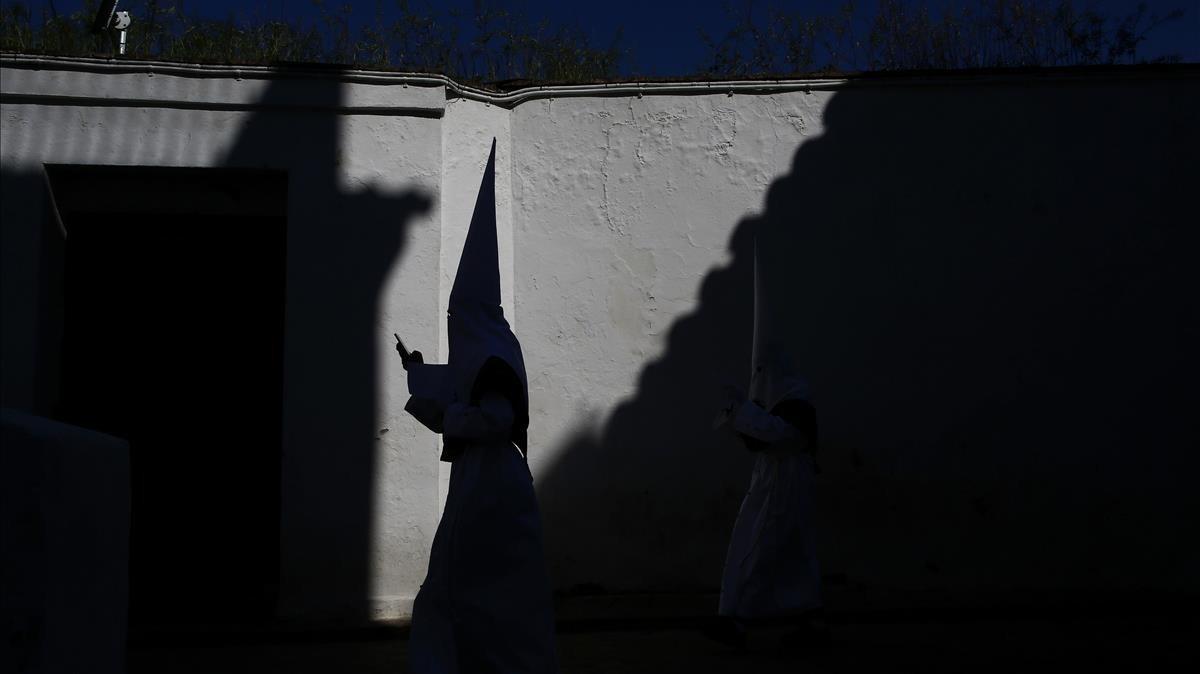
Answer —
625 205
987 282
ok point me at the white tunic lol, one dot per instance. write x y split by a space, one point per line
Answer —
771 568
485 605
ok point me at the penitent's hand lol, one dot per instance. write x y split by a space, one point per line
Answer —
732 397
414 358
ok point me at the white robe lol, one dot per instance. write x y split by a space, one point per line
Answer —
485 605
771 568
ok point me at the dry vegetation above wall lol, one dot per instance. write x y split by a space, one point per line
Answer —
495 45
490 45
911 36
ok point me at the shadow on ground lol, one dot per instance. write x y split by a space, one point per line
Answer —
1103 643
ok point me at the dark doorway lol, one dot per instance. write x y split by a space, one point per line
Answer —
173 301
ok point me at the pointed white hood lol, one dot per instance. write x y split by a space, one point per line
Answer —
773 375
476 328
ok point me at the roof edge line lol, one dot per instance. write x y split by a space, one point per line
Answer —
454 88
513 98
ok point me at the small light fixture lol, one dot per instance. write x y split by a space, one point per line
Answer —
112 23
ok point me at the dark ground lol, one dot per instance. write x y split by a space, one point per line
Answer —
1086 643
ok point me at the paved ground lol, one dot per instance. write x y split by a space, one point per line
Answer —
1141 644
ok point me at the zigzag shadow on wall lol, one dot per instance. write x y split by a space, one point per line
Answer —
988 290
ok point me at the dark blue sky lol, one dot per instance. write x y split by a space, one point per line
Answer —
663 37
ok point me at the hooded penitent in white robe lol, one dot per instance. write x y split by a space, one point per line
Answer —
485 605
771 568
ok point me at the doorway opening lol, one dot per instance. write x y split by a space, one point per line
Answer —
173 288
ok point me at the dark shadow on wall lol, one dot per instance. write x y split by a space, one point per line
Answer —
23 224
991 289
633 486
340 249
332 256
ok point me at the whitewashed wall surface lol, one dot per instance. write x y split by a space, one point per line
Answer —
989 282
